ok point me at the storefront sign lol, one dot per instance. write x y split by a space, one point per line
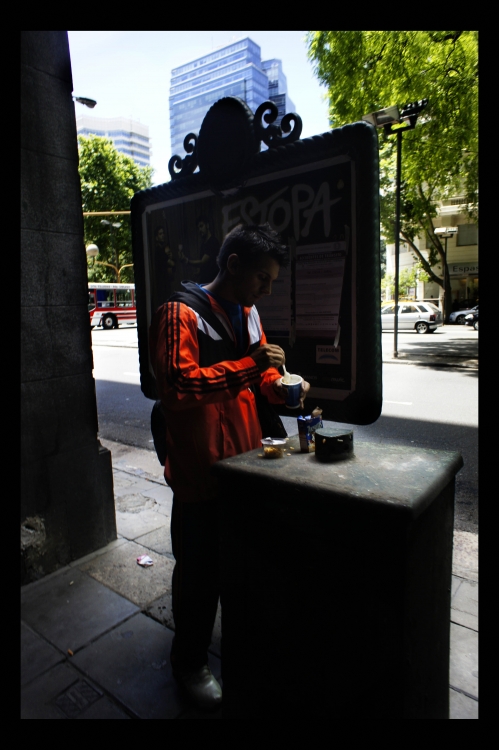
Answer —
462 269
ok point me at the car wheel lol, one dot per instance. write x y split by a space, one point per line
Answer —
422 327
460 320
108 321
475 325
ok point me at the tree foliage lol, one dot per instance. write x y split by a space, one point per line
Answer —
366 71
408 280
109 180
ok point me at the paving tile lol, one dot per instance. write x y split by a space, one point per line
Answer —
163 496
134 501
465 555
119 570
102 551
463 672
464 603
456 582
158 540
466 598
73 608
37 656
132 662
161 610
47 696
464 619
462 707
122 479
134 484
134 525
127 458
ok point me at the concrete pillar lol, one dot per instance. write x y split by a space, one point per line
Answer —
67 502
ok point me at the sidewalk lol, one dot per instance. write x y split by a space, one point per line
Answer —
96 635
431 351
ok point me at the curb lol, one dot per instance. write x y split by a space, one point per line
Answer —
466 365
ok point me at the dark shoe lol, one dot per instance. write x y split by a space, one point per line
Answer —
201 686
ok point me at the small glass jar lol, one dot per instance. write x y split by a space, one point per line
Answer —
273 447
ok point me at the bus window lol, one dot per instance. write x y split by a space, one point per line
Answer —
105 298
124 298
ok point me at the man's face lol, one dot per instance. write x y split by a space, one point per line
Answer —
160 236
252 282
203 229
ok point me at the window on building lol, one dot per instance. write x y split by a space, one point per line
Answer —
467 234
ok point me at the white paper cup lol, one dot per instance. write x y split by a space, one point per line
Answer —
293 391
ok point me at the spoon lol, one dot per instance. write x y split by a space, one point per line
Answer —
285 377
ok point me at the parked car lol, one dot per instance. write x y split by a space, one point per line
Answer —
423 317
472 320
459 316
464 304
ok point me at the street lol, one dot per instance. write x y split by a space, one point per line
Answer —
424 405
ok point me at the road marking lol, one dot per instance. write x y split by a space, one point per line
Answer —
399 403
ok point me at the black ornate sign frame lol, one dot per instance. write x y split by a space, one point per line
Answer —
322 195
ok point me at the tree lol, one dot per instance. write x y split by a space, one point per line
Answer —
408 280
366 71
387 282
109 179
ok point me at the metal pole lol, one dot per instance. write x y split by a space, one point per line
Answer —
115 249
445 280
397 242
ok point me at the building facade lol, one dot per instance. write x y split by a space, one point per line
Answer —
128 136
462 255
234 70
278 87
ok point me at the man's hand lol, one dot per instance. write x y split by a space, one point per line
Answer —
305 387
268 355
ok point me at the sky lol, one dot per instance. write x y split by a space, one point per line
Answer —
128 74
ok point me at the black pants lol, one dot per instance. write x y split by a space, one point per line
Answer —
196 580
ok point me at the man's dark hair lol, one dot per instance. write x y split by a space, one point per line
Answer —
157 231
248 241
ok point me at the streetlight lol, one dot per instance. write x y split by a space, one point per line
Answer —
92 251
405 120
446 233
84 100
112 225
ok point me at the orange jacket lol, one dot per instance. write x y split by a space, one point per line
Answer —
205 391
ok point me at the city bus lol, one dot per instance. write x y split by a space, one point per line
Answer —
110 305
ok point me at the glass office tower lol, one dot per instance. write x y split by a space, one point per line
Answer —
234 70
278 87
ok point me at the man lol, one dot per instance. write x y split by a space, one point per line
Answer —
208 349
210 246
